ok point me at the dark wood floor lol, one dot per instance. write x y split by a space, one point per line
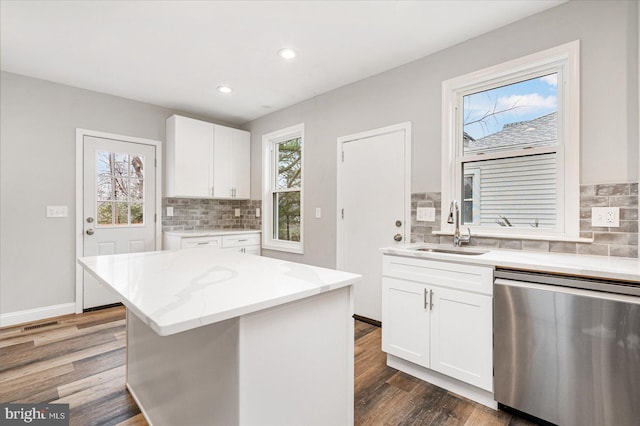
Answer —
80 360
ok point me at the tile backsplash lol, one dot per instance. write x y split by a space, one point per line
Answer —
200 214
621 241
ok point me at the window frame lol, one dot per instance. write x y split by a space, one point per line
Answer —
269 176
564 60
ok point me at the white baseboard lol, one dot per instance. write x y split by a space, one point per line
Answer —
36 314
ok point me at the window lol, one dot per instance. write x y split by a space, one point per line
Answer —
119 189
511 146
282 198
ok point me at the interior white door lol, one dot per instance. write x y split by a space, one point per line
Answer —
119 205
373 188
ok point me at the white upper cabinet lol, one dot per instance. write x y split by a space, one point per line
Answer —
231 163
206 160
189 158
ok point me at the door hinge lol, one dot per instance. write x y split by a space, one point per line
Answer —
343 155
155 217
343 213
155 162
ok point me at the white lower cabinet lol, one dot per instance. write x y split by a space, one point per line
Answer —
243 243
439 316
246 242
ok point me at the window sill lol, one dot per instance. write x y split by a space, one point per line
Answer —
561 238
286 249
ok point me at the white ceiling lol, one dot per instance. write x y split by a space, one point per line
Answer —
175 53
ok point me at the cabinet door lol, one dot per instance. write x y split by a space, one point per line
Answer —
405 320
462 337
241 164
189 157
231 157
222 162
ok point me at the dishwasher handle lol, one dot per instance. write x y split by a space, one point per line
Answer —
569 290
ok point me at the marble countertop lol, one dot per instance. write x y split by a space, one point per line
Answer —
175 291
615 268
211 232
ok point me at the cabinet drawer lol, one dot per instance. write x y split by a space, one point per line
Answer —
478 279
201 242
240 240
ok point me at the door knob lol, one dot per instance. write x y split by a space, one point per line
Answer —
398 223
90 231
89 220
397 237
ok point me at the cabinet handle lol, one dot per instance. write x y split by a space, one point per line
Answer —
431 300
204 243
426 298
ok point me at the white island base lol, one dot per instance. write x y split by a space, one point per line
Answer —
291 364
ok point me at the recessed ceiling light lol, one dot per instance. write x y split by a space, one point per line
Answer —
224 89
287 53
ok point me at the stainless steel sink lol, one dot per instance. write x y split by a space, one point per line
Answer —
465 252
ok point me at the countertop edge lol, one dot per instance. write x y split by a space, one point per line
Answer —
211 232
558 263
245 309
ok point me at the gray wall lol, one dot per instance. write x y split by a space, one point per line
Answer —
608 32
38 120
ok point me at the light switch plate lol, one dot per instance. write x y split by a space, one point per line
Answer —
318 212
237 212
426 214
169 211
605 216
257 211
57 211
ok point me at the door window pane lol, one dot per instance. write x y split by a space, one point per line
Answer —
136 213
105 213
122 216
136 189
119 180
136 169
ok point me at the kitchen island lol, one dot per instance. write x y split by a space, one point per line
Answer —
222 338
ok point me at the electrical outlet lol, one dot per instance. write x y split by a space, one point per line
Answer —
169 211
605 216
57 211
237 212
426 214
257 211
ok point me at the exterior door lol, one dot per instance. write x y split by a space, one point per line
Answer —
119 205
375 198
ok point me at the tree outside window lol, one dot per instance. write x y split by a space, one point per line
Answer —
286 197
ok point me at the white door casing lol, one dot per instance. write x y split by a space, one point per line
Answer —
374 205
110 221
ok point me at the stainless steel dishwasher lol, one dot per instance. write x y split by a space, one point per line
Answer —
567 349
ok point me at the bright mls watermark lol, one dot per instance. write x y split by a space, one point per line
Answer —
34 414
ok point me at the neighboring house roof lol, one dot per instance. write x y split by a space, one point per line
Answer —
540 131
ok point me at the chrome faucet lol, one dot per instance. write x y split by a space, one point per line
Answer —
458 238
